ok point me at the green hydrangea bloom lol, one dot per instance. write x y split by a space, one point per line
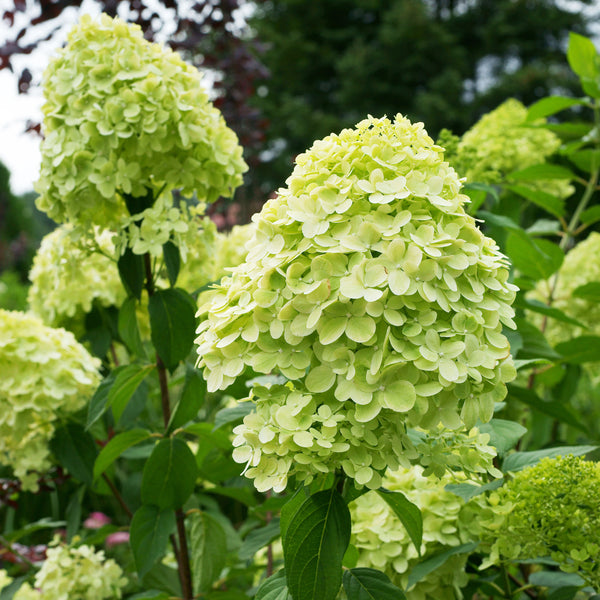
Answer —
370 289
555 512
44 375
124 117
67 277
384 544
501 142
232 247
75 573
4 579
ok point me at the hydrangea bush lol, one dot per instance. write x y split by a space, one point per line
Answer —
372 291
45 375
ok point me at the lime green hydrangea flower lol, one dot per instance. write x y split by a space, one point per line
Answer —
372 291
555 512
384 544
500 143
232 247
580 267
75 573
68 276
4 579
127 118
44 375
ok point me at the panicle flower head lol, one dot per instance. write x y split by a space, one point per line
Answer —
232 247
75 573
45 374
502 142
384 544
68 276
124 117
371 290
555 513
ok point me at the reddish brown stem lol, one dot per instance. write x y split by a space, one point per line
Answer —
117 495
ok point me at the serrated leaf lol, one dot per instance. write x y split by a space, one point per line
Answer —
172 261
126 382
426 567
580 350
504 435
369 584
552 204
131 272
208 550
149 534
75 450
192 398
273 588
128 327
116 446
521 460
173 324
556 410
408 513
550 106
259 538
314 546
581 54
169 474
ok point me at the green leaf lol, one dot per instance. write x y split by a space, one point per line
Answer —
128 327
149 534
565 593
504 435
116 446
8 592
351 556
172 324
555 410
290 508
550 106
234 414
589 291
587 160
535 344
259 538
314 546
31 528
73 513
169 474
520 460
369 584
466 491
191 400
552 204
499 221
273 588
426 567
544 309
555 579
408 513
208 550
125 384
590 215
150 595
131 271
538 259
98 403
172 261
581 55
542 171
580 350
75 450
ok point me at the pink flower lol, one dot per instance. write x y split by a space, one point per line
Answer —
96 520
119 537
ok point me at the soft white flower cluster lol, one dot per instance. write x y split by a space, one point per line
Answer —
44 375
372 291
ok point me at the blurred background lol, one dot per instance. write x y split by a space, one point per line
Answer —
287 72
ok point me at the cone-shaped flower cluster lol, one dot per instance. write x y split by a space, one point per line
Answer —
44 375
384 544
555 513
370 289
75 573
123 116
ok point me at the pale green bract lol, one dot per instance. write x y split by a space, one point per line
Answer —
370 289
554 512
45 375
384 544
75 573
127 117
68 276
502 142
232 247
